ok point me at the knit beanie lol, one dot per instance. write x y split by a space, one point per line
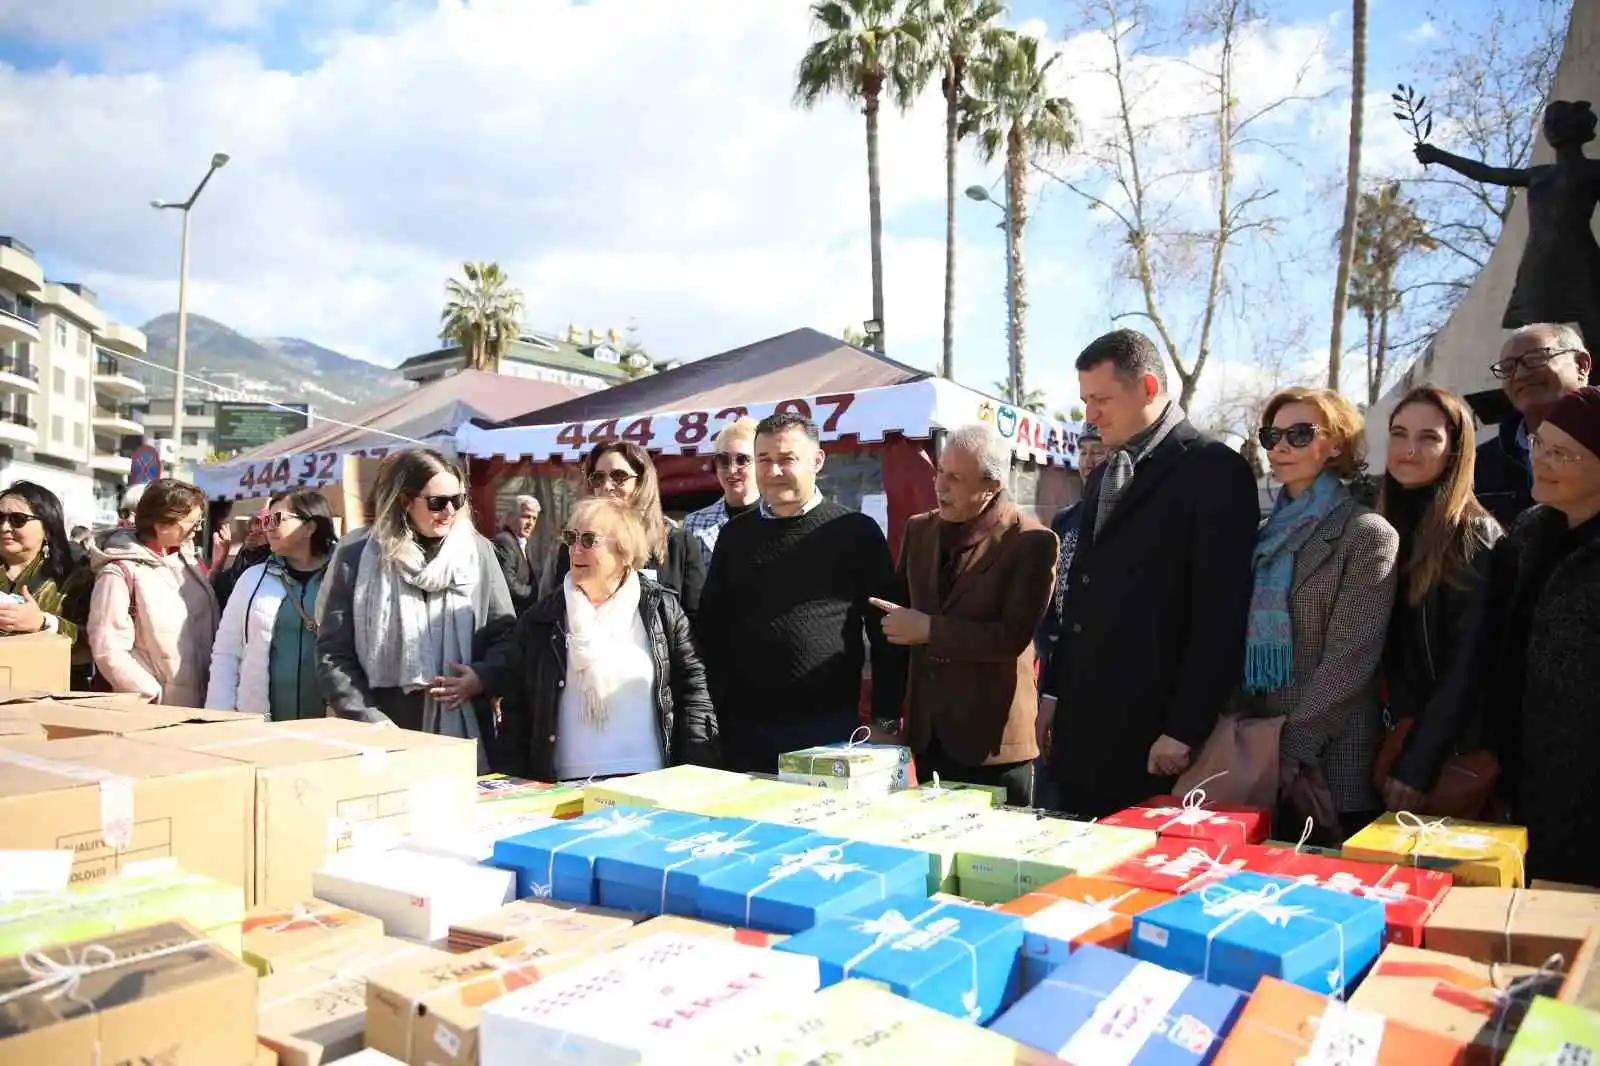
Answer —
1578 414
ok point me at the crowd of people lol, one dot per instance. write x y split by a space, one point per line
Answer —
1429 649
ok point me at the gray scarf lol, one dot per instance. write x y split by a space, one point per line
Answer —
1120 464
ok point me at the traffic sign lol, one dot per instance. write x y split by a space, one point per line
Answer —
146 465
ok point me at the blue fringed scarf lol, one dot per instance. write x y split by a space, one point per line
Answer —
1269 641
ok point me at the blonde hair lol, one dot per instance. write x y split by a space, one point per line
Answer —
646 498
614 519
743 429
400 479
1337 415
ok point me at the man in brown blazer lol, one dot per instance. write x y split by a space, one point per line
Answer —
977 575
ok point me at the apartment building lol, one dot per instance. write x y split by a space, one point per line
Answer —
585 359
65 415
199 425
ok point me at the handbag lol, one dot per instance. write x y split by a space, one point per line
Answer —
1465 785
1238 764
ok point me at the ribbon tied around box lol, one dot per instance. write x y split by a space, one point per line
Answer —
616 822
1234 905
826 861
702 846
894 928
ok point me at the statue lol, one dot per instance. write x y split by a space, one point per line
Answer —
1558 279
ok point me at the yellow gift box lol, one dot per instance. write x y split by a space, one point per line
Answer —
752 798
1474 853
822 808
500 795
916 801
940 838
665 789
999 868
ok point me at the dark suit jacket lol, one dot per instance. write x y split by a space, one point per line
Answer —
1154 640
521 577
971 686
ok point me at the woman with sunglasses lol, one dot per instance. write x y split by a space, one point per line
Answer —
621 470
1324 584
1434 760
42 571
265 656
605 679
153 614
416 614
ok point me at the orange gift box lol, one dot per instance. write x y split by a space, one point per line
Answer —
1285 1025
1075 911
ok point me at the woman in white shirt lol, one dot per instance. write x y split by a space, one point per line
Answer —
605 678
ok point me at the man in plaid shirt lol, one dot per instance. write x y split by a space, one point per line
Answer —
735 463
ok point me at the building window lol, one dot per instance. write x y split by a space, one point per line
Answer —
191 439
58 429
83 342
77 434
78 390
62 338
58 381
194 410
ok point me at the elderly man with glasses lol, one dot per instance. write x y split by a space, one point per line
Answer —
734 457
1537 367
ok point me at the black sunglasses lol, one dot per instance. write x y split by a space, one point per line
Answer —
439 503
17 519
1299 435
1534 360
736 460
588 540
618 478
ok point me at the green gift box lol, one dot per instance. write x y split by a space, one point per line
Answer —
1000 869
128 902
847 761
1555 1034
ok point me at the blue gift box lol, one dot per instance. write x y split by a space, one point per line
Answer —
557 861
809 880
1102 1008
1249 926
662 875
955 958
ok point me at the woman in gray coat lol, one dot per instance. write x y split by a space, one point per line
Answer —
416 617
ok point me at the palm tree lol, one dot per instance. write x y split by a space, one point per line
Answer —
1010 108
954 31
1388 231
1032 400
1352 187
482 315
863 48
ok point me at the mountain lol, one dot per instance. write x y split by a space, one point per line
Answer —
285 369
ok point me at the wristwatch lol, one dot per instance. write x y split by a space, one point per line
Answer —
886 725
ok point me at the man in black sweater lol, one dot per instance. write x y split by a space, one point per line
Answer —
784 608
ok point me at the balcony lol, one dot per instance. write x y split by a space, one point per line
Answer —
108 463
18 375
117 419
122 339
113 379
17 323
19 271
18 429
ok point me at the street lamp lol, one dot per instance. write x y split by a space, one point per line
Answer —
218 161
980 194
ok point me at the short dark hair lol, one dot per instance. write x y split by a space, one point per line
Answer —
1132 354
165 500
780 422
309 505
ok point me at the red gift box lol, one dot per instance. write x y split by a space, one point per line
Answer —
1192 819
1409 894
1177 865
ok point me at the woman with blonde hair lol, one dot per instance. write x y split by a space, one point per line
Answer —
415 612
1324 584
604 677
1435 759
621 470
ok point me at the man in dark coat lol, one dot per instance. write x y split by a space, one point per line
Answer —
513 545
1538 365
1159 588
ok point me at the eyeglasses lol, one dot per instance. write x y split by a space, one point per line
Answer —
1299 435
17 519
1559 456
588 540
1534 360
735 460
618 478
278 518
439 503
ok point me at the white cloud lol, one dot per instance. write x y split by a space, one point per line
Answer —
1425 31
77 21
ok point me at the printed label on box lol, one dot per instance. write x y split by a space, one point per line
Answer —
1067 919
1346 1037
1122 1022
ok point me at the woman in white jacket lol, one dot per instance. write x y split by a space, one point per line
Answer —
264 658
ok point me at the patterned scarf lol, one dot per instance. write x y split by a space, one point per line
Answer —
594 632
1120 464
1269 641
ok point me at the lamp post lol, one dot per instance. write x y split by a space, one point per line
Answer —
980 194
218 161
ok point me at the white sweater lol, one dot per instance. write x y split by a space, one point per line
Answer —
240 669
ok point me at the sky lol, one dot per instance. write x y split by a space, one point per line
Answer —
628 163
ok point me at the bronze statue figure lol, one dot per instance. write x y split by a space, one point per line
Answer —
1558 279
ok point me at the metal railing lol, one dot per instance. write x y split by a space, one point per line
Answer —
10 364
121 411
18 419
20 313
107 364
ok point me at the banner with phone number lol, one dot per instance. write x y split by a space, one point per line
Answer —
248 480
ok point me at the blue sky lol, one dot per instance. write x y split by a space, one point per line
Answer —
627 164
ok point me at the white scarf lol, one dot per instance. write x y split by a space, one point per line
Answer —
414 615
592 631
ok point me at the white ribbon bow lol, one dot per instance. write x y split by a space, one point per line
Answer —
1219 901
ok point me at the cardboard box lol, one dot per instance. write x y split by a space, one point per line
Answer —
35 661
1409 895
757 798
117 700
265 1056
1285 1025
277 938
850 766
661 996
62 720
959 960
324 784
474 843
16 730
1512 925
819 809
941 840
1072 912
795 886
500 795
557 861
316 1013
1555 1034
1003 869
1179 866
1452 996
129 997
1474 853
662 875
418 897
1170 816
369 1057
660 789
540 924
1582 985
673 924
114 802
99 908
